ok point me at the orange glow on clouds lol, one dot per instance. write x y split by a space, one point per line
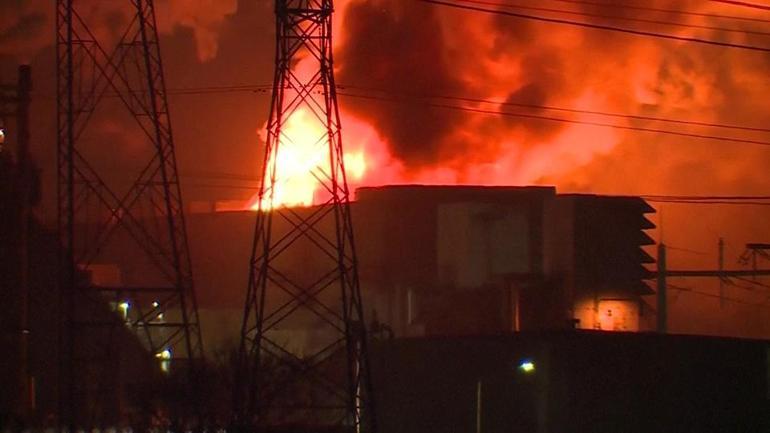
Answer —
479 58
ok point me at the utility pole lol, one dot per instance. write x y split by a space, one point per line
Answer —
104 212
325 387
752 250
662 290
721 264
25 213
19 179
479 401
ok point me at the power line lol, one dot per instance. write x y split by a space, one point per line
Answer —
729 203
661 10
562 109
193 91
762 305
614 17
570 121
747 200
740 286
744 4
220 186
509 104
729 282
247 88
220 175
709 197
727 200
599 26
260 88
671 247
757 283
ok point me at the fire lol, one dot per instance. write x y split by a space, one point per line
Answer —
355 165
473 135
301 161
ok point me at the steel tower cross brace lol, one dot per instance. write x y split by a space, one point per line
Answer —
101 212
303 278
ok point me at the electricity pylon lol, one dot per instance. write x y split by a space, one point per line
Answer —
125 271
303 278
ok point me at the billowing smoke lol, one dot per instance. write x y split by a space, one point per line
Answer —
413 49
394 57
24 26
398 48
204 17
28 25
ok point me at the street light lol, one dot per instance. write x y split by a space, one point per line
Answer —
124 306
527 366
165 360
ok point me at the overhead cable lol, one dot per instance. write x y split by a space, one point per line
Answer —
598 26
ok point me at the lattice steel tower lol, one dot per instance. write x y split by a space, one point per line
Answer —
303 357
126 279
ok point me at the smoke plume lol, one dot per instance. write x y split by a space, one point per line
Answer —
28 25
412 49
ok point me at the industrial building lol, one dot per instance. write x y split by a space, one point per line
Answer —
485 260
461 260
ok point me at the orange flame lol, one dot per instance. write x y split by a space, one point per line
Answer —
301 163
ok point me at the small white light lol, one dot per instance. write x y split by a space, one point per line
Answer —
155 304
165 360
527 366
124 306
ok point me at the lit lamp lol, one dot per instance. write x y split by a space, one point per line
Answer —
156 305
527 366
124 306
165 360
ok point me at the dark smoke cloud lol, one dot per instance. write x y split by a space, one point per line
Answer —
543 78
414 48
27 27
398 46
411 49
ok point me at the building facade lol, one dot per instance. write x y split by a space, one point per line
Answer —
440 260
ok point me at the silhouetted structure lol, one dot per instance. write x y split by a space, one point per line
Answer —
457 260
98 209
469 260
323 385
29 299
19 192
